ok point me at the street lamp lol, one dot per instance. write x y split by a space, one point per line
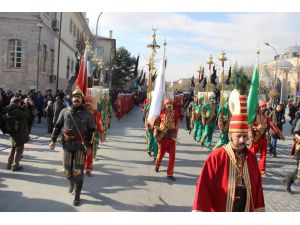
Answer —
268 44
97 33
39 25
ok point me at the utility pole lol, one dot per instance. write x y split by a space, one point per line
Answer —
58 54
40 25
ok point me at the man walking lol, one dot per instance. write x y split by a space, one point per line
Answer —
20 135
78 127
165 131
230 180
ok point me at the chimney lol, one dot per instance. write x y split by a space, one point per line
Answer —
110 34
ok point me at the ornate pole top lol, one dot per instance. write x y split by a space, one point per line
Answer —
210 61
223 58
153 45
200 69
257 51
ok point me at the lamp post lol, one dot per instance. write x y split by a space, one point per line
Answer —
58 53
268 44
95 40
39 25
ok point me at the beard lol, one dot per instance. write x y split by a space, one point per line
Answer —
76 103
240 147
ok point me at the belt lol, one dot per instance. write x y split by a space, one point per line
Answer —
70 136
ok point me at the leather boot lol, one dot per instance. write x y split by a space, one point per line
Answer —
287 186
78 188
76 201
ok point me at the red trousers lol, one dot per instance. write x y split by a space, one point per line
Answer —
260 145
89 162
166 145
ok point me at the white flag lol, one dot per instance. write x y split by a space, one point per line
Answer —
158 94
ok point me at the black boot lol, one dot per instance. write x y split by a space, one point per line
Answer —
78 188
76 201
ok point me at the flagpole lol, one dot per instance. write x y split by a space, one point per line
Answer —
222 59
209 62
198 84
153 46
164 64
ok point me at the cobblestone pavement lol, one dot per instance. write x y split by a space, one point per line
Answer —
124 177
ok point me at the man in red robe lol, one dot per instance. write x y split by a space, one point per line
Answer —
230 180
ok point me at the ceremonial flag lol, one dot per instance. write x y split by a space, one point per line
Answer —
157 97
213 76
192 82
82 78
201 75
252 101
229 76
136 66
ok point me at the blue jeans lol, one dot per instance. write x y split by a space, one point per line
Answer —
273 144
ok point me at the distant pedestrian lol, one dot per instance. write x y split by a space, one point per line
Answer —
292 111
278 119
49 115
40 106
58 105
295 154
21 134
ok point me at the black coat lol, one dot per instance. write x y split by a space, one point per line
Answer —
22 115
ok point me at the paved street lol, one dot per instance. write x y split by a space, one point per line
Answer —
124 177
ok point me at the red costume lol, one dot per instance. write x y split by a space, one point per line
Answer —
90 103
216 189
258 136
230 179
166 129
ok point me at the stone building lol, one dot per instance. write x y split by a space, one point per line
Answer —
105 49
285 74
35 54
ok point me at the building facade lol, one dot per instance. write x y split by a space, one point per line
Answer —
284 71
38 49
105 49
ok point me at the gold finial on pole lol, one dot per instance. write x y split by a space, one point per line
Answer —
222 58
209 62
198 84
153 46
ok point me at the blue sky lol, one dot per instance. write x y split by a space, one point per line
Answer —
192 37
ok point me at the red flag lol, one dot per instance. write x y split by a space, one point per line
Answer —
82 78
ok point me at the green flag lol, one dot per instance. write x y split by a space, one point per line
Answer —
253 96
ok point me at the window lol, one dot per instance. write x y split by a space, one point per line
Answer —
14 53
100 51
52 61
68 68
45 58
72 65
71 26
